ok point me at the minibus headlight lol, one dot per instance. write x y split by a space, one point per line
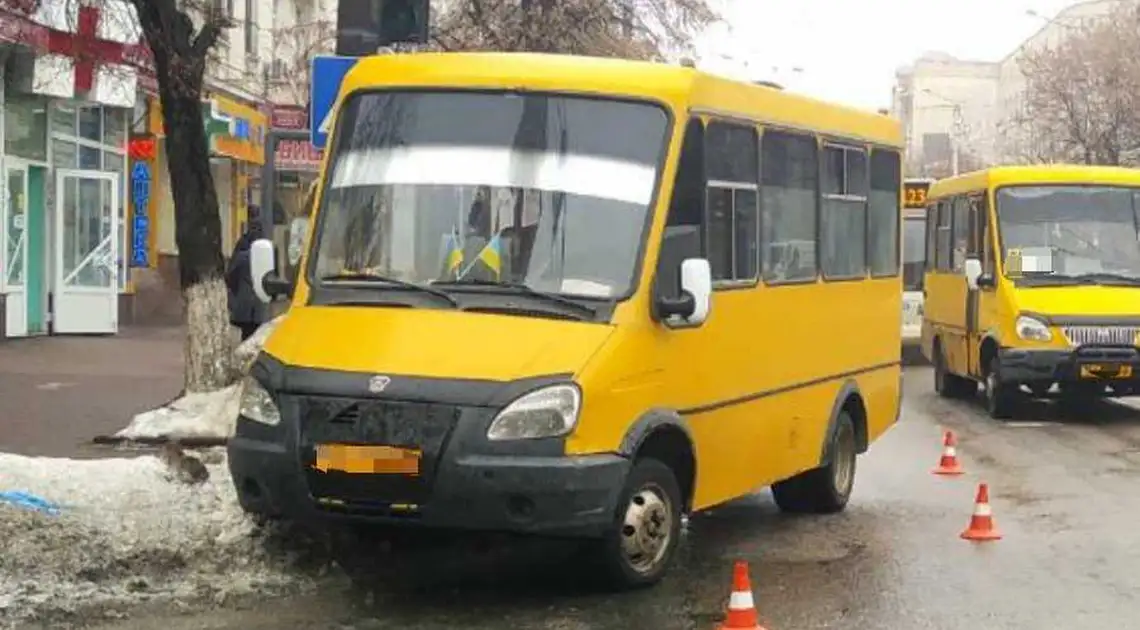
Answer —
547 412
1032 329
257 404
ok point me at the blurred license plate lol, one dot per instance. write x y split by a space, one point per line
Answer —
1101 370
367 460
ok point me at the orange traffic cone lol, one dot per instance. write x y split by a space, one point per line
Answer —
982 522
741 609
948 464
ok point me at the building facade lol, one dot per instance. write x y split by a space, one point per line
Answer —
71 84
947 108
972 113
86 220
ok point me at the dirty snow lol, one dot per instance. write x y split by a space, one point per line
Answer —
128 534
201 414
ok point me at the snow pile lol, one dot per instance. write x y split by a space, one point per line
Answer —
201 415
127 534
196 415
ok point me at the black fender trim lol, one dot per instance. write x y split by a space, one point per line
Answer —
849 387
649 422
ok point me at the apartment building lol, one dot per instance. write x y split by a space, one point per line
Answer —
947 108
972 112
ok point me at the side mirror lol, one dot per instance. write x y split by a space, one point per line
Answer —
267 285
692 307
972 270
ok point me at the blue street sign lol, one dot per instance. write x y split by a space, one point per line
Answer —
327 74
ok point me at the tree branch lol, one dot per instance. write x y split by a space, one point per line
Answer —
208 36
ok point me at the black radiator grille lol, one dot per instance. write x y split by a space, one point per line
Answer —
414 425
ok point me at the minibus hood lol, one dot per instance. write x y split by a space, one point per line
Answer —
433 343
1092 301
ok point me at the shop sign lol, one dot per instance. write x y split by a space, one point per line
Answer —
295 154
235 131
289 117
140 219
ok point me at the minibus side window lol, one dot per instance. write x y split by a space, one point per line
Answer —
789 203
684 229
732 168
883 213
944 236
932 237
961 233
843 212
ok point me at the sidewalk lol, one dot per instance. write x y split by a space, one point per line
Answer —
56 393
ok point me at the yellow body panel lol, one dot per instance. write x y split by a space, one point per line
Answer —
945 315
757 383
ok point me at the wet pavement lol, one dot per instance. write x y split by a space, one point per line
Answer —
57 393
1064 493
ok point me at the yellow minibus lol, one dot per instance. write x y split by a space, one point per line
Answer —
578 297
1033 284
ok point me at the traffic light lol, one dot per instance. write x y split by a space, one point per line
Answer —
363 26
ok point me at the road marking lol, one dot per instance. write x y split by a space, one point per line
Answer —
52 386
1030 425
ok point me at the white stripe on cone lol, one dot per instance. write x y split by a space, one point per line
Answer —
950 452
983 509
740 600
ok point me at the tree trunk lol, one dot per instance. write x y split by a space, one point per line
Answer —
198 232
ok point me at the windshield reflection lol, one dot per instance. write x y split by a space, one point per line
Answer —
1066 232
453 187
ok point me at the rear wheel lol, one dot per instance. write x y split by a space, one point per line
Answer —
1001 397
826 489
947 384
643 538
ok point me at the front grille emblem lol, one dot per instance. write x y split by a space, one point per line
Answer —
378 383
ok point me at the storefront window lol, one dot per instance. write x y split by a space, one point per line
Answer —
90 123
25 126
63 153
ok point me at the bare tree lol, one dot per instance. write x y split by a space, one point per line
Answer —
638 29
180 34
293 49
1081 95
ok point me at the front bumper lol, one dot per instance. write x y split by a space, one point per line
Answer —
1064 366
524 487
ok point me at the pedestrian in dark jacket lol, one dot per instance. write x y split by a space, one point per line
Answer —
245 308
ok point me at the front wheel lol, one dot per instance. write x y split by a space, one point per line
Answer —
1001 397
823 490
642 539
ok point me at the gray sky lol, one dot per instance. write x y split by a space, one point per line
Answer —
848 50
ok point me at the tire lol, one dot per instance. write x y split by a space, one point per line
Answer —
823 490
950 385
1001 397
632 554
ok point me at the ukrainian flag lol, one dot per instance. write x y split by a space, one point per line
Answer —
454 253
492 256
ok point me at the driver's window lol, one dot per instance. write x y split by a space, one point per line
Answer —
684 225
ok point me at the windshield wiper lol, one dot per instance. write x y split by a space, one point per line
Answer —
525 290
411 286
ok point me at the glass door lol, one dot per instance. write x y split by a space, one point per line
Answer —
87 248
14 255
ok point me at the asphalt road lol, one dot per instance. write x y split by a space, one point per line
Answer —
1064 494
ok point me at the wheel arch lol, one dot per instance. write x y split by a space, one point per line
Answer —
664 435
848 399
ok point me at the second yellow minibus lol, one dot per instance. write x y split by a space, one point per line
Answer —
1033 284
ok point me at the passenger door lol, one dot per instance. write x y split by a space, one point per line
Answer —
946 285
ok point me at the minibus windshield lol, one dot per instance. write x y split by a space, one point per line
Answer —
1070 232
449 187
